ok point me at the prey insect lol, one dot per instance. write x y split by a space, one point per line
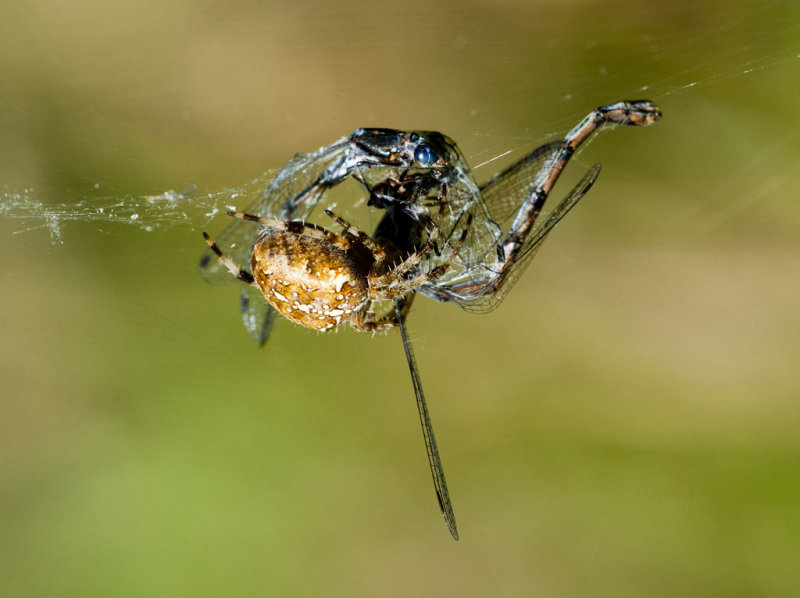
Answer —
440 234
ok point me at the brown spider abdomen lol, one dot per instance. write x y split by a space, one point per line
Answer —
307 278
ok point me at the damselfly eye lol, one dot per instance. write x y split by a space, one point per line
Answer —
425 155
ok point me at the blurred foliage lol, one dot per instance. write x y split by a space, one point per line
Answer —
624 425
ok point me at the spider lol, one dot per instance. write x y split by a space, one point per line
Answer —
440 235
319 279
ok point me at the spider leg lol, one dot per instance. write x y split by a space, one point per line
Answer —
250 217
442 268
296 226
392 284
356 233
240 274
379 281
367 321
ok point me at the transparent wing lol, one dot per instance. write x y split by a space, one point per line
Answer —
492 208
480 246
294 190
466 214
434 461
505 191
537 236
257 315
541 231
292 194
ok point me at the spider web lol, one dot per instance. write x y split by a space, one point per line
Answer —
35 208
491 90
146 212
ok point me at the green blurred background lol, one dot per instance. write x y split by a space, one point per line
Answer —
625 424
